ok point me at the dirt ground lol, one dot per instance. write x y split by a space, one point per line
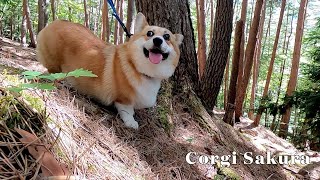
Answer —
93 142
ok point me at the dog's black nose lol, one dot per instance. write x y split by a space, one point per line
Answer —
157 42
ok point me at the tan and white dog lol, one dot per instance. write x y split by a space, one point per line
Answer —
129 74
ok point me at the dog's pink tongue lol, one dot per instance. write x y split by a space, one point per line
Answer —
155 58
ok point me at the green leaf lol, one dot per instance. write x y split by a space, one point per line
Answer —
31 74
81 72
54 76
46 86
15 89
31 85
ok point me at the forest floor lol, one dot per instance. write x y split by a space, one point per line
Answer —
92 142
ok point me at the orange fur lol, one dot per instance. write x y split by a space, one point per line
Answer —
64 46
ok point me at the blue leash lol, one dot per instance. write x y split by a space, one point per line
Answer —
115 14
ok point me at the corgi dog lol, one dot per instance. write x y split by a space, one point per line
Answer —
128 75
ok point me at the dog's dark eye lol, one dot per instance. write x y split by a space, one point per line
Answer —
166 37
150 33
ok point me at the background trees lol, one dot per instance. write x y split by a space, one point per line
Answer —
266 48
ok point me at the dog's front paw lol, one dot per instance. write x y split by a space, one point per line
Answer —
132 124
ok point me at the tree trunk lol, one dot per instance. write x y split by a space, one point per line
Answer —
201 37
121 17
116 24
256 64
295 67
211 80
130 15
96 19
225 89
243 18
23 28
42 14
157 13
273 56
53 10
228 116
11 28
211 21
86 17
105 22
29 25
248 59
273 126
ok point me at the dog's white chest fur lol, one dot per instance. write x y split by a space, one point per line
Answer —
146 93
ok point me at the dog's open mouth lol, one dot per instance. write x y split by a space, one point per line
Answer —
155 55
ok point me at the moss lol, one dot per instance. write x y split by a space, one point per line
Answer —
163 107
229 173
35 102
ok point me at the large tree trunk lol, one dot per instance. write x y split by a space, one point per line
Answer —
225 88
273 57
86 16
243 18
211 21
42 14
211 80
295 66
201 36
249 53
116 24
157 13
228 116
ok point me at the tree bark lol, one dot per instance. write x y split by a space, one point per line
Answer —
175 16
243 18
211 21
130 15
228 116
249 53
273 57
121 17
225 89
201 37
116 24
29 25
256 64
86 17
23 28
53 10
295 67
42 14
105 22
217 59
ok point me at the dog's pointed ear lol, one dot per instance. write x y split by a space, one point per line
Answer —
140 23
179 38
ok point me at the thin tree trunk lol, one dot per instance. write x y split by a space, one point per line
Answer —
121 17
23 28
53 10
211 21
42 14
217 59
243 18
273 56
295 67
29 25
96 19
11 27
130 15
201 37
86 17
105 22
249 59
267 35
283 65
225 89
256 64
228 116
116 24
